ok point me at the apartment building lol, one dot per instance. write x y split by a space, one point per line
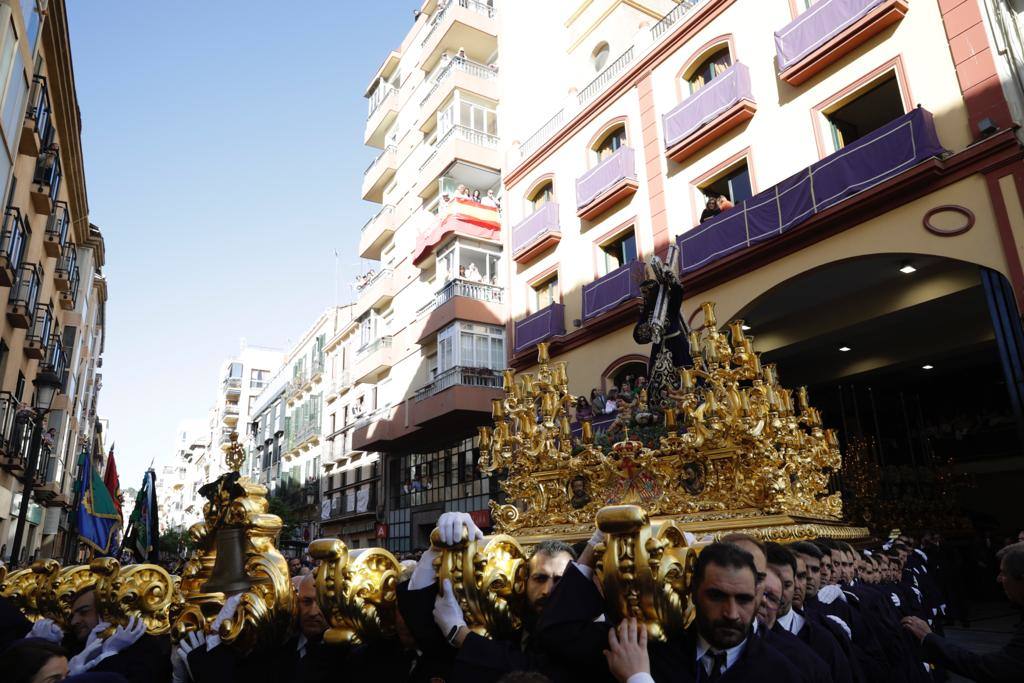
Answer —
872 222
179 504
243 379
51 260
427 336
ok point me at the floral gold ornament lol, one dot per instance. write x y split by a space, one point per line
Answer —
357 592
25 587
488 580
56 595
146 591
727 447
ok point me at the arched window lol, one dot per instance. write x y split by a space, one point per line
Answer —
610 143
599 57
544 193
708 69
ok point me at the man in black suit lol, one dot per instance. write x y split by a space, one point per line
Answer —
824 645
1006 664
437 623
721 646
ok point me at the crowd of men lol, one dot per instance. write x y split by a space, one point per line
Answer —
808 612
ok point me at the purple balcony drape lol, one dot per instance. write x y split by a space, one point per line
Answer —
816 26
878 156
541 222
605 293
725 90
618 166
544 324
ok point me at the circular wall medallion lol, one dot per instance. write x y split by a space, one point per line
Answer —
948 220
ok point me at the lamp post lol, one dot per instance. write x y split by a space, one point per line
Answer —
46 383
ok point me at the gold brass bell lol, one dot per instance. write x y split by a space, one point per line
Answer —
228 575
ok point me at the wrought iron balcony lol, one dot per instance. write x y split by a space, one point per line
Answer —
58 225
459 376
55 359
12 245
24 295
37 339
62 274
37 127
46 181
69 297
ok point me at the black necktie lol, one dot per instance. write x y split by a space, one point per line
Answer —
718 660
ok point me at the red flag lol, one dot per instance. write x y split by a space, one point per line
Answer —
111 481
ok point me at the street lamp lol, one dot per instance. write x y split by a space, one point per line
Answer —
46 384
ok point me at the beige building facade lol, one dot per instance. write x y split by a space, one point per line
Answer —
896 279
51 260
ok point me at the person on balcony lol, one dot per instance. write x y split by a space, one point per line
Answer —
710 208
490 200
597 402
473 273
583 410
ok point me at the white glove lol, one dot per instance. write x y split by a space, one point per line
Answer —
90 654
424 575
179 656
46 629
450 525
596 538
828 594
123 637
225 613
447 613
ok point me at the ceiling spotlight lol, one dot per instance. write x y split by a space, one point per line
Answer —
927 367
844 349
745 328
907 269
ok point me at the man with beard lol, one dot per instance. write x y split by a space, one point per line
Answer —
720 646
784 563
446 637
804 660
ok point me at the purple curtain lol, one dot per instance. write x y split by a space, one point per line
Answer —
815 26
541 221
545 323
619 165
605 293
725 90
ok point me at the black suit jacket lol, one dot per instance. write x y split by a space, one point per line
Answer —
825 644
146 660
13 624
812 667
866 653
1006 664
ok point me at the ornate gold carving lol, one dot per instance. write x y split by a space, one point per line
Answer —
358 592
489 583
55 597
730 441
25 587
645 575
146 591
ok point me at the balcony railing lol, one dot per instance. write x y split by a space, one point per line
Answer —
69 298
25 291
535 227
354 503
15 236
544 324
39 111
484 8
481 291
618 167
605 78
38 336
379 276
878 156
818 24
472 135
48 172
607 292
390 149
727 89
385 210
373 347
57 225
457 63
384 89
233 383
55 359
658 33
459 376
67 263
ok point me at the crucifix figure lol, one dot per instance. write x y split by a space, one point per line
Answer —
663 325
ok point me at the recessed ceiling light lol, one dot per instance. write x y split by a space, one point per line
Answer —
927 367
907 269
745 328
844 349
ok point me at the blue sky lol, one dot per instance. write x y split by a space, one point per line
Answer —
223 156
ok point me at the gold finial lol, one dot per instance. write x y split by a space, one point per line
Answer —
234 454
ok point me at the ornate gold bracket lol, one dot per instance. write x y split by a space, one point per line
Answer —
358 592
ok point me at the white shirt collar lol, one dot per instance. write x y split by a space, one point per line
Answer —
731 655
792 622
